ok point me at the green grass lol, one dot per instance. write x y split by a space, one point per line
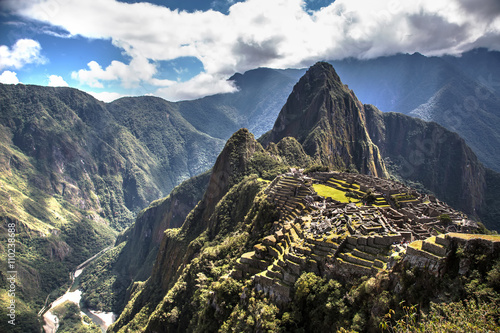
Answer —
493 238
330 192
417 245
403 197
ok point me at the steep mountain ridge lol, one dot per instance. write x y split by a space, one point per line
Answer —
229 169
460 93
179 246
429 154
329 122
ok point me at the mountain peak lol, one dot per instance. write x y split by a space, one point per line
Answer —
323 70
230 166
319 77
329 122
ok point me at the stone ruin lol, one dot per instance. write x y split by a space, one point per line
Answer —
338 239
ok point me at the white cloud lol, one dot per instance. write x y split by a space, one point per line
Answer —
201 85
57 81
9 77
106 96
24 51
139 70
272 33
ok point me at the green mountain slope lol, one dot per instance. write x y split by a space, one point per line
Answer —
181 151
73 174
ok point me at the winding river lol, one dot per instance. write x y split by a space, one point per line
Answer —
51 322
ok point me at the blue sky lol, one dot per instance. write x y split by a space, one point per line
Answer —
188 49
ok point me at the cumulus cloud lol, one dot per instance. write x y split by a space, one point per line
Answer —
272 33
57 81
9 77
106 97
201 85
24 51
137 71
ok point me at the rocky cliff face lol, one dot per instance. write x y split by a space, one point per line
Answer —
136 259
229 194
470 109
229 170
329 121
428 153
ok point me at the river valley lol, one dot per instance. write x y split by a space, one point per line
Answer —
74 295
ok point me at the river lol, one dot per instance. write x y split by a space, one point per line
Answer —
103 319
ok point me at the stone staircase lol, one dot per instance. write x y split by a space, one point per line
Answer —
288 194
366 255
429 253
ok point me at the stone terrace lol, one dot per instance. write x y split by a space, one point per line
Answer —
325 236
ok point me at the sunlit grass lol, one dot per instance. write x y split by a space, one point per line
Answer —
416 244
330 192
493 238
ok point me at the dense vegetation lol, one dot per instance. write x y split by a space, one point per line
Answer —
73 173
102 288
205 298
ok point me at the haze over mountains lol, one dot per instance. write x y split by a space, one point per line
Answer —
459 93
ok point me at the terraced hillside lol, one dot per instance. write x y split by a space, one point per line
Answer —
319 230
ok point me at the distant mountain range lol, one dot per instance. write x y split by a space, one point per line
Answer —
460 93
